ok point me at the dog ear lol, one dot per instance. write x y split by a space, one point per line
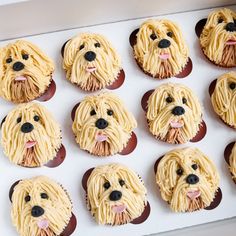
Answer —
3 120
73 112
11 191
85 178
63 48
133 37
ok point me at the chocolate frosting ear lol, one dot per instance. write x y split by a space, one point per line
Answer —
12 189
74 110
199 26
85 178
63 48
212 87
157 163
3 120
133 37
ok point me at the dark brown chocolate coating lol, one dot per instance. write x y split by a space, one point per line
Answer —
70 228
217 200
49 93
144 215
118 82
131 145
199 26
12 189
60 157
85 178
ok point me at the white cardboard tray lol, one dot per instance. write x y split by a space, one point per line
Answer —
69 174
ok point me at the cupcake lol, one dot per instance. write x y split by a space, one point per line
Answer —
223 98
115 195
102 125
160 49
218 37
26 72
30 136
188 180
91 62
174 114
40 206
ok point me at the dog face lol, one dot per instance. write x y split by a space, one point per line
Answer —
188 180
40 206
30 135
174 113
91 62
218 38
25 72
102 124
160 48
224 98
232 162
115 194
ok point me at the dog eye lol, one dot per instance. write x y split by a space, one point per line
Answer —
36 118
25 56
179 171
110 112
169 99
184 100
9 60
97 45
81 47
27 198
220 20
18 120
93 112
44 195
232 85
121 182
170 34
194 166
106 185
153 36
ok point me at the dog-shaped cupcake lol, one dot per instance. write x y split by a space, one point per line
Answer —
174 113
40 207
218 37
25 72
223 98
102 125
160 48
90 61
115 194
187 179
30 135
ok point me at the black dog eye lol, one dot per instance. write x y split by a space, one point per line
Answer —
97 45
170 34
27 198
220 20
110 112
194 166
9 60
153 36
121 182
184 100
81 47
44 195
179 171
232 85
169 99
18 120
36 118
25 56
93 112
106 185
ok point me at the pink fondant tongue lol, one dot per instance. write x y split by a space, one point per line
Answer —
30 144
101 138
118 208
176 124
91 69
164 56
193 194
231 42
20 78
43 224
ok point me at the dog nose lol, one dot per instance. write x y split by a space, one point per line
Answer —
164 43
178 111
90 56
192 179
18 66
27 127
115 195
231 27
101 123
37 211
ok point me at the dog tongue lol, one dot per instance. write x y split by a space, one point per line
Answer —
231 42
30 144
90 69
193 194
43 224
101 138
164 56
20 78
118 209
176 124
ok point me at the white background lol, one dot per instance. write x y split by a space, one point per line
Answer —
69 174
